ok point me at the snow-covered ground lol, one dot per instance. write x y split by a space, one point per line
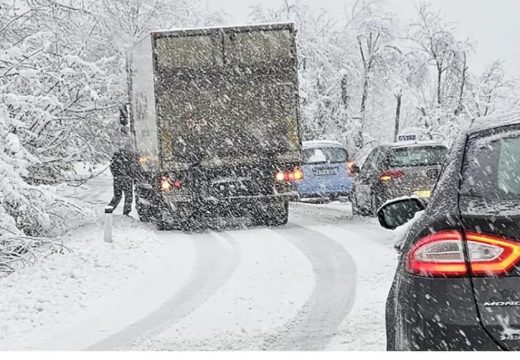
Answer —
318 283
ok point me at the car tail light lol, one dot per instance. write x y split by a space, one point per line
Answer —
295 174
442 255
439 254
491 255
350 165
168 184
386 176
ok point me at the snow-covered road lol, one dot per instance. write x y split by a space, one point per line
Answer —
318 283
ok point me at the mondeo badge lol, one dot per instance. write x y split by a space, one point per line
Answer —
501 303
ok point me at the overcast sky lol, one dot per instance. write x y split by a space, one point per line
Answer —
493 24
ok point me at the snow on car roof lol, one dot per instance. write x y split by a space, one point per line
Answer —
322 143
495 121
414 143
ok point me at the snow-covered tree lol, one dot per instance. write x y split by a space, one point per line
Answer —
62 79
445 94
326 84
51 89
375 34
492 91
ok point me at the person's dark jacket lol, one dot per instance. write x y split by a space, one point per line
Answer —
123 164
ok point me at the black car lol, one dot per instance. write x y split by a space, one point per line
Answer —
457 285
400 169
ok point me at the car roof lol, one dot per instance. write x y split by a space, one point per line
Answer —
417 144
312 144
494 122
406 144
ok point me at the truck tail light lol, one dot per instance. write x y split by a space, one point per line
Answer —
292 175
168 184
280 176
442 255
387 176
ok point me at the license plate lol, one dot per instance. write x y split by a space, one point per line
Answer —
325 172
423 193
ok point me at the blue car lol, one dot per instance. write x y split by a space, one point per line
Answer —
325 171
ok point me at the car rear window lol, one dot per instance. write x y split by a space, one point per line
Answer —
417 156
324 155
492 167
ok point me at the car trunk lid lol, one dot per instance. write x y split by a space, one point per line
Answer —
417 180
413 170
490 194
498 296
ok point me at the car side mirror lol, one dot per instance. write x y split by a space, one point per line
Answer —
398 212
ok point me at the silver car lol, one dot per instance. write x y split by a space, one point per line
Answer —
401 169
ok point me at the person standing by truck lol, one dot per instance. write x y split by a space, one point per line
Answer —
123 168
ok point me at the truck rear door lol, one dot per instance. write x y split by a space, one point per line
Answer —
227 95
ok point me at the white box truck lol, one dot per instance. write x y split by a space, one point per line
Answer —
214 114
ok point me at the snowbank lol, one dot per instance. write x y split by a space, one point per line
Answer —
44 300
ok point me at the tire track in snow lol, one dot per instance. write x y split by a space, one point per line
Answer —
331 300
217 259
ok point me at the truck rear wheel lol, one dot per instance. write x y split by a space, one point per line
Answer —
149 212
169 219
145 211
275 214
149 209
166 221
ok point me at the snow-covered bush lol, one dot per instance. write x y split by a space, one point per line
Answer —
52 114
29 214
62 81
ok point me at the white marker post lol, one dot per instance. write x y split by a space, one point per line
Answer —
108 223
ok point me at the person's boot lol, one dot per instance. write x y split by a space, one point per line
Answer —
127 208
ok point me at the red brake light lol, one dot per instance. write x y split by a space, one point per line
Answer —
177 184
390 175
168 184
439 254
442 255
295 174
